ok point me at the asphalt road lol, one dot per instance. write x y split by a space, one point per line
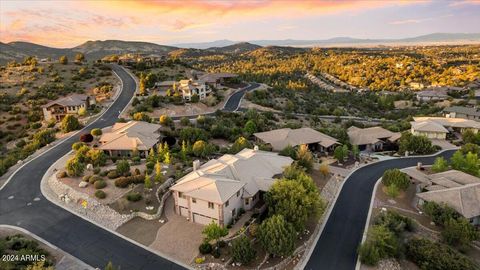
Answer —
337 246
232 104
84 240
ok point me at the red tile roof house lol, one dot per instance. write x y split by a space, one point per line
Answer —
57 109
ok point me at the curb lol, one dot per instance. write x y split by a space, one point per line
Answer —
367 222
50 245
44 184
334 201
64 139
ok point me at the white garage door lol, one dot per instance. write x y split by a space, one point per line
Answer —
184 212
202 219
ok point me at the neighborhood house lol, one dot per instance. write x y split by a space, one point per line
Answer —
217 190
462 112
432 95
58 109
372 138
438 127
191 87
457 189
278 139
216 79
122 139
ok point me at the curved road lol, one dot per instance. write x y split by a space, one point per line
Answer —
22 204
84 240
336 248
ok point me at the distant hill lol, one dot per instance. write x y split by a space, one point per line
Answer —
99 49
275 51
430 38
92 49
241 47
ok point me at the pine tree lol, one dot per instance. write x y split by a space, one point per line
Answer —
158 172
148 181
277 236
183 152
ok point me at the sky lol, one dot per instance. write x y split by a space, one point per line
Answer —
70 23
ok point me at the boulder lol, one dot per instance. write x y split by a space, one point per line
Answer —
83 184
89 167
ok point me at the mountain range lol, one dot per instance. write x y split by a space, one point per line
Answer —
430 38
97 49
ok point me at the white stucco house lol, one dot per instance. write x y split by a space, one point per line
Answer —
190 87
218 189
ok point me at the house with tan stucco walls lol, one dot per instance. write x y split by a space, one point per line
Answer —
218 190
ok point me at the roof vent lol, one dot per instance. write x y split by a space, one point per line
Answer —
196 164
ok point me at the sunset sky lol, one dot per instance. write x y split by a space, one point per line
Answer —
70 23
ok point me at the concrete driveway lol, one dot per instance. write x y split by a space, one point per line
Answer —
178 237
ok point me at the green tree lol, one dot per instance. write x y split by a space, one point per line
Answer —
82 112
457 161
381 241
396 177
123 167
142 116
70 123
63 60
277 236
240 144
199 148
289 151
470 147
305 157
459 232
415 144
151 156
250 128
96 132
295 197
214 232
468 136
77 145
471 164
44 137
339 154
166 158
355 152
185 121
440 165
242 250
75 167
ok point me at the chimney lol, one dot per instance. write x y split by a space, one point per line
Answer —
196 165
255 148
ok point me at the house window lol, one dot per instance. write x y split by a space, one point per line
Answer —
247 201
211 205
238 193
226 204
194 200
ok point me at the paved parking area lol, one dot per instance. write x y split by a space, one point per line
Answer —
178 237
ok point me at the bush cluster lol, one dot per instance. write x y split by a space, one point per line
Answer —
100 194
100 184
125 181
134 197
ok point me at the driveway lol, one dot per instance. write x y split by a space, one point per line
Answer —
178 238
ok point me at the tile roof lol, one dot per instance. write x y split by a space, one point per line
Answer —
450 122
131 135
71 100
280 138
463 110
218 179
428 126
372 135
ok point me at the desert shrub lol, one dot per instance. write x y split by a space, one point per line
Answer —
100 184
100 194
112 174
216 253
136 160
395 176
242 250
103 173
86 178
134 197
125 181
62 174
94 178
433 255
96 170
205 248
440 213
199 260
77 146
395 222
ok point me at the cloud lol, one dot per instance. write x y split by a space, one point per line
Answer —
409 21
463 3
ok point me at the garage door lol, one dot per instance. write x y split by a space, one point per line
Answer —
202 219
184 212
